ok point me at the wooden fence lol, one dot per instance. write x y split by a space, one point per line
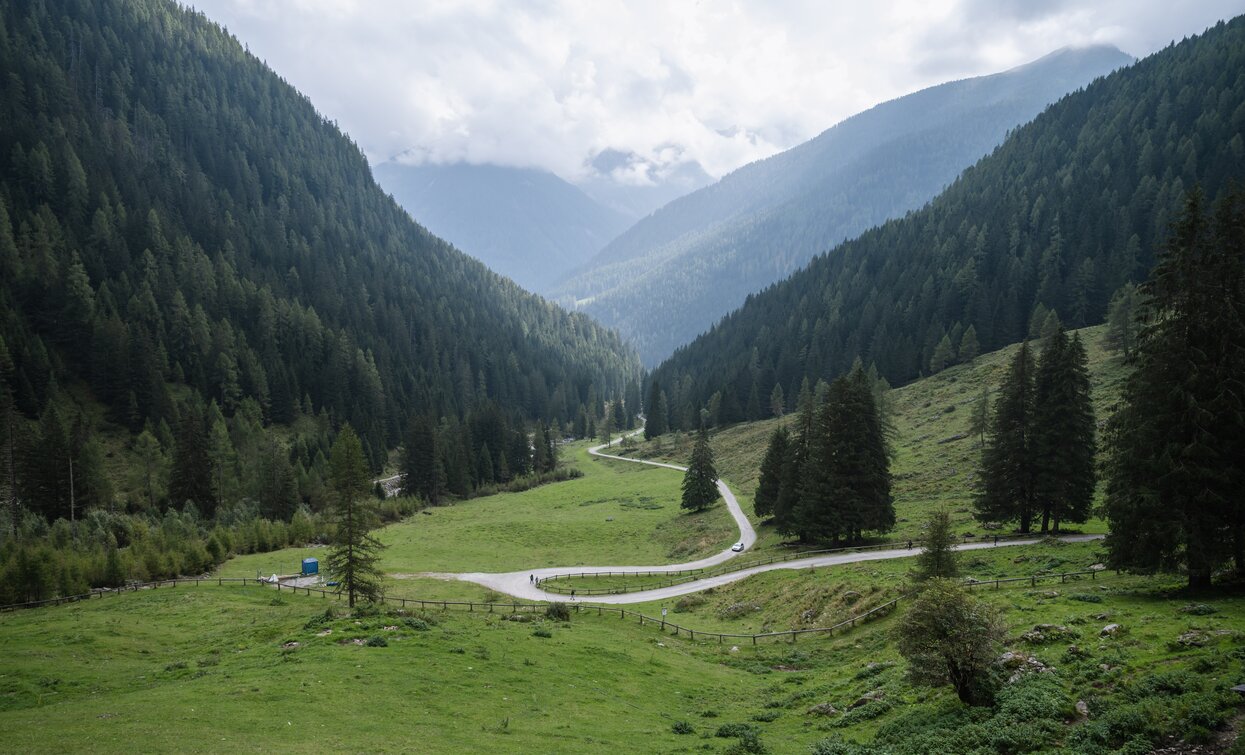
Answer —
678 630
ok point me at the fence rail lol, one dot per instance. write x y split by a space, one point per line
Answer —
580 608
683 576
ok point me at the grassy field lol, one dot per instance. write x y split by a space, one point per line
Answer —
213 669
617 513
935 461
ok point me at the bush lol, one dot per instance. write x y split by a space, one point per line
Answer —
749 742
321 619
682 727
542 632
376 641
726 731
1086 597
419 625
688 602
558 612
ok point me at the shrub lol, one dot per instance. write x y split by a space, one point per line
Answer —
688 602
682 727
749 742
1086 597
558 612
376 641
542 632
419 625
726 731
321 619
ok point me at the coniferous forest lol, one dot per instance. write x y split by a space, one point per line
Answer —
193 258
1071 208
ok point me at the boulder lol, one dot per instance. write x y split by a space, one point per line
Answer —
1082 709
865 699
1110 630
823 709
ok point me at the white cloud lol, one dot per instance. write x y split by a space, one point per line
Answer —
552 84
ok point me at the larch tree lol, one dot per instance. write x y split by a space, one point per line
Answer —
353 558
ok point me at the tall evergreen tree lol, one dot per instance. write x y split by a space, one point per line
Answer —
1064 433
1008 468
1174 475
423 471
654 413
700 481
770 482
190 479
353 558
845 487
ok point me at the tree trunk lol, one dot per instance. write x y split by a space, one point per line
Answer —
1045 520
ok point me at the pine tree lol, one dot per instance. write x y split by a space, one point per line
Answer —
353 558
151 469
1007 460
700 487
1174 476
1064 441
979 422
770 482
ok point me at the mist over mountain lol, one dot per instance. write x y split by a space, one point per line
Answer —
673 274
526 224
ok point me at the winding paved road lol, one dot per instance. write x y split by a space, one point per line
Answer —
518 584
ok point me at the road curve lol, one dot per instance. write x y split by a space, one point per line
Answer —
520 584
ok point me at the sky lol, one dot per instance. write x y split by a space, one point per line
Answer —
637 90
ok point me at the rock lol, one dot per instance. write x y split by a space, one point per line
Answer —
1082 709
661 644
1098 567
1194 638
1101 616
734 648
390 629
809 615
1047 633
868 697
823 709
1110 630
1050 594
1020 559
1020 664
292 645
992 526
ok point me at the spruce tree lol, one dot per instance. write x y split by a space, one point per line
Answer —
1064 433
1007 461
770 482
353 558
423 472
654 413
700 487
1174 475
943 355
190 479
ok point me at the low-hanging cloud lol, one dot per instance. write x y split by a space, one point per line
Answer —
559 85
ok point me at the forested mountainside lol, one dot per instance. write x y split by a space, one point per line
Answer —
675 273
529 225
1066 211
179 226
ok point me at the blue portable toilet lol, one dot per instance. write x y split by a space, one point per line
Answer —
311 566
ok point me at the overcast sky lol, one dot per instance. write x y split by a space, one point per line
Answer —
552 84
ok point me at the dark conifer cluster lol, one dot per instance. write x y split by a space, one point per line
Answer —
1038 461
1175 475
829 481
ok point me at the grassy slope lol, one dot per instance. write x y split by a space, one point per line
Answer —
931 467
205 666
617 513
